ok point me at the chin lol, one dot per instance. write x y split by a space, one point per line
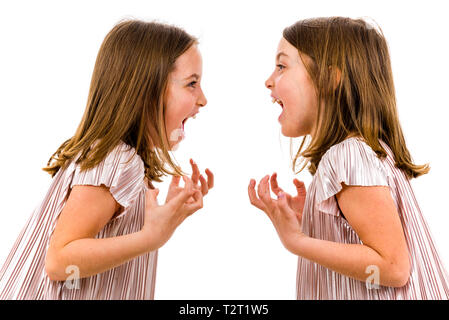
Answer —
289 133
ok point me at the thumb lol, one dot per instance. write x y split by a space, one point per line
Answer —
175 181
188 191
282 202
151 197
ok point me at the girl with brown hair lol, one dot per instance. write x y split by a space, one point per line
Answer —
96 233
358 230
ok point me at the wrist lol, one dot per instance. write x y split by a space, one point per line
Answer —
296 244
146 239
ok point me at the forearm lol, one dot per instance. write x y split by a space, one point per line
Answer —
93 256
350 260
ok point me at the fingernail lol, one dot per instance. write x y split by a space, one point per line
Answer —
281 195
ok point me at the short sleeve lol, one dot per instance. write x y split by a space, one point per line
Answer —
121 171
353 162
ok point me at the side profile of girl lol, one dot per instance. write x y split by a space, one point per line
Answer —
358 231
97 231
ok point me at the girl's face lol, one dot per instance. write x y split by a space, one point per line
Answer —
184 95
293 89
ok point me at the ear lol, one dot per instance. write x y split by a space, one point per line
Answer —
335 73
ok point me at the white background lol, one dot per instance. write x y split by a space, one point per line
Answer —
229 249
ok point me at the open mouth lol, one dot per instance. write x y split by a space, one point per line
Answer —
278 101
185 120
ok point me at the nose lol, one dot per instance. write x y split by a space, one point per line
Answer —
202 101
269 83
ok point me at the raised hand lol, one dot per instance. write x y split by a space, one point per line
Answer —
285 215
296 202
204 186
161 221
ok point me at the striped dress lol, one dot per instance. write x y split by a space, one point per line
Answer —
353 162
23 275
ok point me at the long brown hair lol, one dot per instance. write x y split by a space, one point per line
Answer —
126 98
349 64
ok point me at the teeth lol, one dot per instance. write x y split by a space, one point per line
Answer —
277 100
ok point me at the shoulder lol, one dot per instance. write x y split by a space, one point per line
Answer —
351 148
352 157
348 144
351 162
120 163
122 171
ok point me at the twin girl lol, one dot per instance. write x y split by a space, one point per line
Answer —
101 221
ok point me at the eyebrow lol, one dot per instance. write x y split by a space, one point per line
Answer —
194 75
281 54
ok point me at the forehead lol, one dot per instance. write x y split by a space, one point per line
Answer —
190 62
286 50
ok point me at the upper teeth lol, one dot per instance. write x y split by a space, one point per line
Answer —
276 100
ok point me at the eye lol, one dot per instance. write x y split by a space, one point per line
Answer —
192 84
280 66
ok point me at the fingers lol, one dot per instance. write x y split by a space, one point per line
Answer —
173 187
282 201
210 179
188 191
197 204
300 187
174 181
253 197
195 172
197 176
263 191
274 184
151 198
204 186
262 188
283 205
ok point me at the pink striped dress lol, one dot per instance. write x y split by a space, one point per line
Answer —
23 274
353 162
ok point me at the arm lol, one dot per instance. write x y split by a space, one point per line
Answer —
373 215
86 212
89 208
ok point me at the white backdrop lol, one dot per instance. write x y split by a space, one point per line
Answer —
229 249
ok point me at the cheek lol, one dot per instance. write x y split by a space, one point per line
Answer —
301 93
170 112
176 110
287 91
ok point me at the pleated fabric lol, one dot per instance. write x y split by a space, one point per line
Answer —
23 275
353 162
